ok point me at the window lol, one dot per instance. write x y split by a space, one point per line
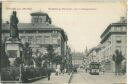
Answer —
36 20
118 48
117 28
40 20
43 18
54 34
23 39
121 28
38 39
124 28
118 39
6 37
109 42
58 41
112 28
30 39
47 39
54 40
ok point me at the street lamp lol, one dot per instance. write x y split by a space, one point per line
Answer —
21 64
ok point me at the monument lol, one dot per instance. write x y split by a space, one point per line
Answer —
13 47
13 26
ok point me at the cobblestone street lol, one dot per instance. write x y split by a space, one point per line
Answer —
83 78
61 79
108 78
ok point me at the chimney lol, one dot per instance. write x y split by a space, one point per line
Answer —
7 22
123 19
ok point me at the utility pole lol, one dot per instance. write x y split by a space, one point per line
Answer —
0 35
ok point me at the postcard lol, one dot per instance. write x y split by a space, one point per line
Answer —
63 41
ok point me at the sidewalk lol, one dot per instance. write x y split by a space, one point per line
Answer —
106 78
60 79
120 79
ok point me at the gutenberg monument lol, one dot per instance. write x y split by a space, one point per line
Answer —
13 26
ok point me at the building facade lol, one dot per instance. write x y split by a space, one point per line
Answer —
113 38
39 34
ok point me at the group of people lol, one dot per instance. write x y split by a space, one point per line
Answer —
59 70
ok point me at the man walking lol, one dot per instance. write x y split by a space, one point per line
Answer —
49 73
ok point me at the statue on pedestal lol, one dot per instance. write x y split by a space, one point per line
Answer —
13 26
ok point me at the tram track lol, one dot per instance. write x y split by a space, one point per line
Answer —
75 78
83 78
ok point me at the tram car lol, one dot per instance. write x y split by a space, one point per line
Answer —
94 68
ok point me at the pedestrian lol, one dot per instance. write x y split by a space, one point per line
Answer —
86 70
103 70
57 72
123 67
65 70
49 74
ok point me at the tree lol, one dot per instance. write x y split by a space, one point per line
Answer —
17 61
28 60
4 58
57 59
117 58
50 54
38 59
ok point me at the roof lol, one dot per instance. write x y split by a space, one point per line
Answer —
113 24
30 26
39 13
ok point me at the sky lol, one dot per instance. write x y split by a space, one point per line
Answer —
83 22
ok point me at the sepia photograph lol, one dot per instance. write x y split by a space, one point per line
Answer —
63 42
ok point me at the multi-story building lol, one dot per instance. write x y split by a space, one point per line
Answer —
113 38
39 33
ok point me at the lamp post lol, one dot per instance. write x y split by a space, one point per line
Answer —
0 35
21 64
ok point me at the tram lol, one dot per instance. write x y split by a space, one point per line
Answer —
94 68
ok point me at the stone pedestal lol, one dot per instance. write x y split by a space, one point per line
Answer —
13 49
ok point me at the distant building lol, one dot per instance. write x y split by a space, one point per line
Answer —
39 33
68 58
113 38
77 59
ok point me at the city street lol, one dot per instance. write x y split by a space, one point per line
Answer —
83 78
60 79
